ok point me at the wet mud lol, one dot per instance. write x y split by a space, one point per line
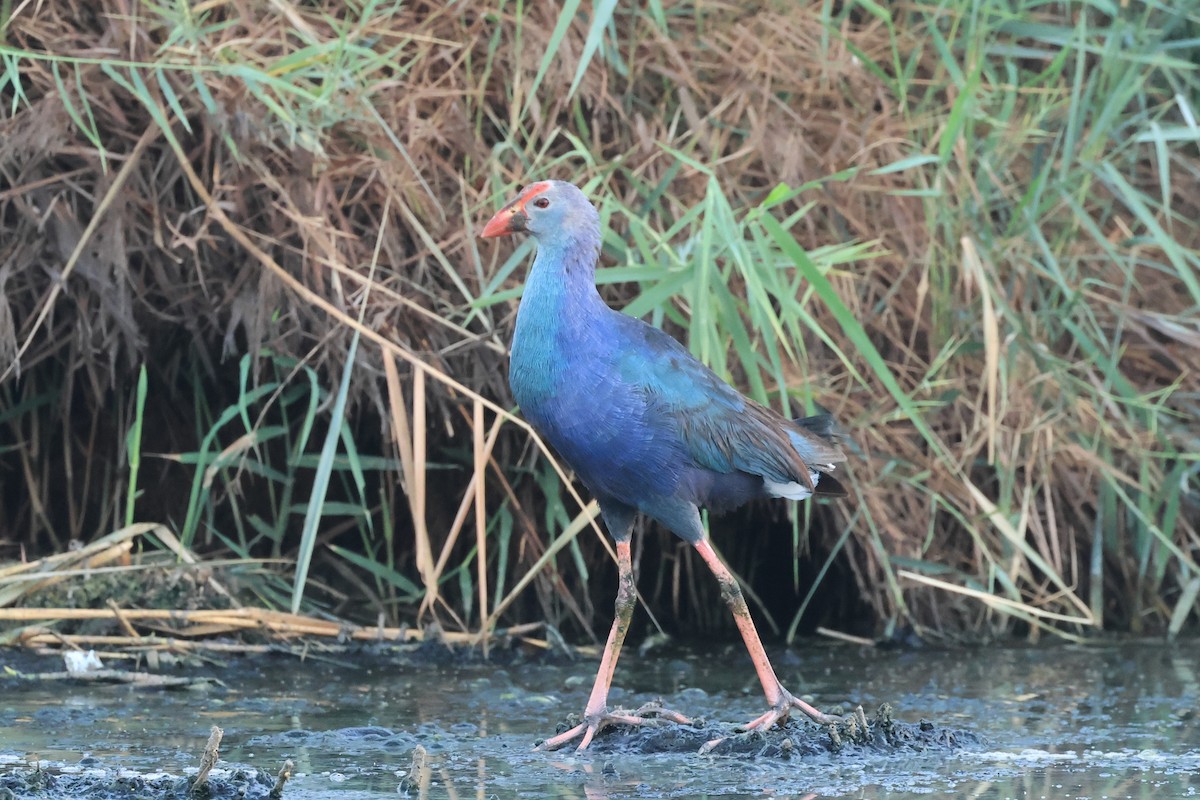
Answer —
856 736
618 745
95 782
997 723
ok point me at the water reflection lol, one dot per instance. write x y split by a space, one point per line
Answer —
1061 721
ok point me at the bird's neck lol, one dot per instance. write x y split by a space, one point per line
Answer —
560 295
561 315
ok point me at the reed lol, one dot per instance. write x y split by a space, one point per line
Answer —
242 267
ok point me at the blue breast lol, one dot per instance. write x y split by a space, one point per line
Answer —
566 376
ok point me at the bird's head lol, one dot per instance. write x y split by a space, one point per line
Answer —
554 212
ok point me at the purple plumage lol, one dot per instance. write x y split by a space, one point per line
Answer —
646 427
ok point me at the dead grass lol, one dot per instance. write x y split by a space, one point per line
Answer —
180 190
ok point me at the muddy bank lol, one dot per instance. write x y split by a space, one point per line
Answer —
91 781
855 737
1002 722
432 748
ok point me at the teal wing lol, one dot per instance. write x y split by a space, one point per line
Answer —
719 428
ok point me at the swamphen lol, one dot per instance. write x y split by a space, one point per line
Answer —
645 426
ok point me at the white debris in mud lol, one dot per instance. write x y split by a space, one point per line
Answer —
1147 758
1030 754
79 662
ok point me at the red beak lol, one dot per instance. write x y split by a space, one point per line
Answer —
508 220
512 218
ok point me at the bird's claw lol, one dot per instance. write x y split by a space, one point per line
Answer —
777 714
651 713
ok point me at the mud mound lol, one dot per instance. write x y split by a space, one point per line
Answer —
109 784
796 739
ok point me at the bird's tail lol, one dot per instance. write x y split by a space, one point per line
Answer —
822 425
825 428
829 486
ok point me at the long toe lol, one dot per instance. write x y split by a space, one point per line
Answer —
653 713
812 713
648 714
782 707
777 714
566 737
761 724
767 720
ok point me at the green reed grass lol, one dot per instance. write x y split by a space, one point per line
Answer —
1010 448
133 445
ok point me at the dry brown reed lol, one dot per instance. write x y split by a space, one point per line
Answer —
179 190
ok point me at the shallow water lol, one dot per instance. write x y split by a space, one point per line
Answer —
1103 721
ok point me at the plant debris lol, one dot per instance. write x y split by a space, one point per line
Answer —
797 738
975 244
103 783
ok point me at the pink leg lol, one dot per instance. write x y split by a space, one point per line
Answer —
596 715
779 699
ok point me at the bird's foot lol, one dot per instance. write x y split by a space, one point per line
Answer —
649 714
777 714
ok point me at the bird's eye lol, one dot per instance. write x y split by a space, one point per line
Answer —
541 202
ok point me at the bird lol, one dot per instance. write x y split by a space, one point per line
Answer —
648 429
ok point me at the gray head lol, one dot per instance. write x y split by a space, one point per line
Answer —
556 213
